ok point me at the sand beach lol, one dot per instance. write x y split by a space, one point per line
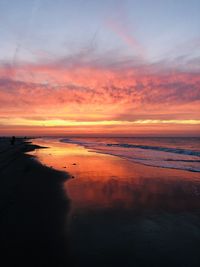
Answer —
33 209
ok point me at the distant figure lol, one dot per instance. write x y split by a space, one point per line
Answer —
12 141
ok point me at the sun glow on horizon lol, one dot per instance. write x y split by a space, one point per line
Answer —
71 123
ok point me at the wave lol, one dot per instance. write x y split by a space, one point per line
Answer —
157 156
165 149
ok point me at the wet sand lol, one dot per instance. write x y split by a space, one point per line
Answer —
127 214
33 210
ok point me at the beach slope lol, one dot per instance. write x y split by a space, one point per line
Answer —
33 209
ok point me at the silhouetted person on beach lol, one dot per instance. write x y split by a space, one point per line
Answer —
12 141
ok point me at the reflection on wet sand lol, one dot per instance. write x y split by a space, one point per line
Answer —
103 181
127 214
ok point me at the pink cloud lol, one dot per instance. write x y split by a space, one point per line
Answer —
124 34
92 93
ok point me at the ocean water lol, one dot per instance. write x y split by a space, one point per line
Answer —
166 152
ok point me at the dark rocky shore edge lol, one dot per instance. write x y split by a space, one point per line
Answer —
33 209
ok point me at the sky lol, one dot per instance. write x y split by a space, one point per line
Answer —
100 67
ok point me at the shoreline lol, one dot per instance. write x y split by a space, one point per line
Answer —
33 209
178 158
185 172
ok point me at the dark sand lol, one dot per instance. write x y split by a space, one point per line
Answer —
33 210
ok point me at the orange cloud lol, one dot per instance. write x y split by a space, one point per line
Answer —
106 99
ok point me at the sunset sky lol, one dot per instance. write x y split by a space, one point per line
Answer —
100 67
